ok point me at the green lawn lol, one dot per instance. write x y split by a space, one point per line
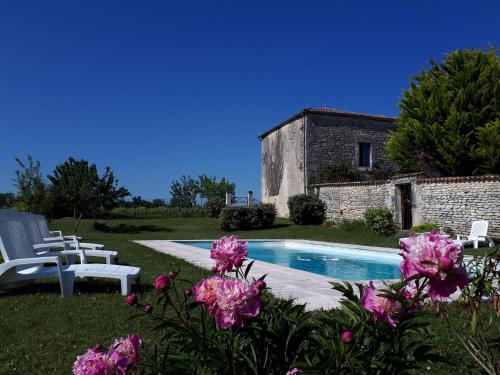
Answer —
43 334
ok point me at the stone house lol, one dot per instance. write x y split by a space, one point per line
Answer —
295 151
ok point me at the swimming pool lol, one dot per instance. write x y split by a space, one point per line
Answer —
338 262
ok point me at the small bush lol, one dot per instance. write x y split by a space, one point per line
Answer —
306 209
341 172
213 207
450 232
426 227
379 220
352 225
254 217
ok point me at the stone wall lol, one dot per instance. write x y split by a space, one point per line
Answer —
457 204
283 165
334 139
452 202
348 201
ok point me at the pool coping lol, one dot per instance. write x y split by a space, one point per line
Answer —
305 287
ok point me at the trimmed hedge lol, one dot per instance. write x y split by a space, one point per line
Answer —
306 209
379 220
156 213
254 217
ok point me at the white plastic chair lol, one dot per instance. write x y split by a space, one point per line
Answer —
22 263
478 232
31 224
56 236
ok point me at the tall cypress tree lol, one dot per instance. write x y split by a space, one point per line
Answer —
450 117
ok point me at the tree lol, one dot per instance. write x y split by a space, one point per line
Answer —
212 190
450 117
157 202
79 191
183 192
7 200
32 193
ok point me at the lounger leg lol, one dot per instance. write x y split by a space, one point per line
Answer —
67 282
126 287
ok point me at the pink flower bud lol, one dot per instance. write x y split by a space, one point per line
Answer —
131 299
172 275
346 336
260 284
161 283
238 261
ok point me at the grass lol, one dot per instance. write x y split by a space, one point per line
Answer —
43 334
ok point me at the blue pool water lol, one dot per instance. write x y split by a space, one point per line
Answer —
344 263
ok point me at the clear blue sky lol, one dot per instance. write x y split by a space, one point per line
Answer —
158 89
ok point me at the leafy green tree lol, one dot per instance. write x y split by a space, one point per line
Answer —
7 200
157 202
32 193
183 192
79 191
449 120
212 190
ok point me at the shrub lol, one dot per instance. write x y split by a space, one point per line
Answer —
306 209
213 207
426 227
340 172
155 213
379 220
254 217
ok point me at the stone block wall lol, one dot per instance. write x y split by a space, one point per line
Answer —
452 202
335 139
348 201
457 204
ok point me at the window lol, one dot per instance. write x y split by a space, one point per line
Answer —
365 154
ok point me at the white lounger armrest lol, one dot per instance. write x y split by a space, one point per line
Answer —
49 245
71 253
108 254
55 233
27 261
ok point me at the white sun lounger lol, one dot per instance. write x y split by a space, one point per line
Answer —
31 224
21 263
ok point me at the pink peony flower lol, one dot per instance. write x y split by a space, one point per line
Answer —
228 253
439 259
128 348
236 300
346 336
206 291
383 309
95 362
294 371
161 283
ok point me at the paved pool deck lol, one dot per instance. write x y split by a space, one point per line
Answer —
305 287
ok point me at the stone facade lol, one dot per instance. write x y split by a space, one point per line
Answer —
295 151
452 202
283 165
335 139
